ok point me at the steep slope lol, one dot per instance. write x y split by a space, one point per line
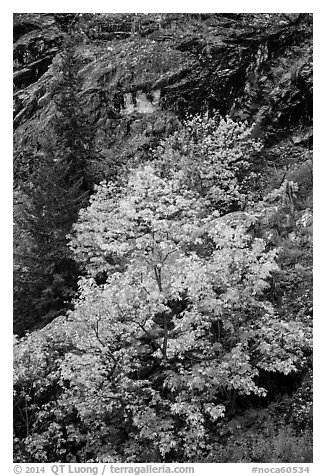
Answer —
141 74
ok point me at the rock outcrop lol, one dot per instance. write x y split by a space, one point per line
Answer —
141 74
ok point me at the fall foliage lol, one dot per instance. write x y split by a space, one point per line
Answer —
163 299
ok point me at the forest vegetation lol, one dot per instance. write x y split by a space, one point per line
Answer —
163 238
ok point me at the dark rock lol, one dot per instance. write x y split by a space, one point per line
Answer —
35 70
253 67
37 40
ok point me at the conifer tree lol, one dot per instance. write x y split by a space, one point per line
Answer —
75 144
45 273
48 203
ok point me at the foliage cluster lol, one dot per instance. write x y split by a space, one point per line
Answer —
172 326
217 158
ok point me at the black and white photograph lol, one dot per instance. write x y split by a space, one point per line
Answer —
162 240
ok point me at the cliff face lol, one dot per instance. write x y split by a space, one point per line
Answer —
141 74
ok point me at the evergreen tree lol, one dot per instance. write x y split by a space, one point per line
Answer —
75 145
45 274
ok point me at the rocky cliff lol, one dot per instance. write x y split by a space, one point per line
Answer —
142 74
